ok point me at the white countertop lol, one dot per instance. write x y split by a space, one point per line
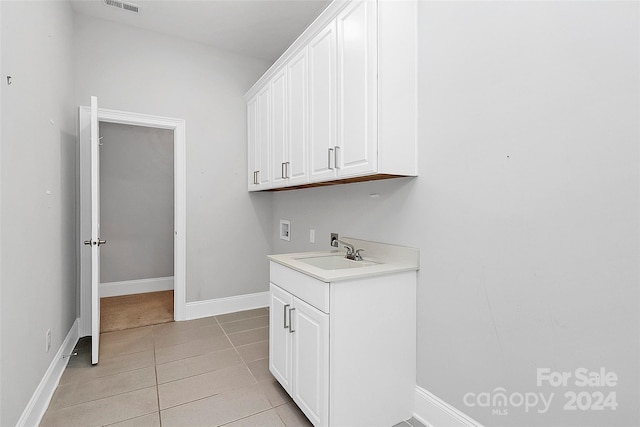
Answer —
388 258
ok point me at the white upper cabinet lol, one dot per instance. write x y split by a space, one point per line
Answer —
322 104
357 145
297 167
252 138
259 137
289 123
279 137
343 100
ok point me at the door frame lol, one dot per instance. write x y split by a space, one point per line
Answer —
179 195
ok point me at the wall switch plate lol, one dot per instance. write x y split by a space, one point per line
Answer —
48 340
285 230
312 235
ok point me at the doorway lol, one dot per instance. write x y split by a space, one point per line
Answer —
177 127
136 220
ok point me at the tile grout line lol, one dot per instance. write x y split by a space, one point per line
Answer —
100 398
155 367
236 349
252 415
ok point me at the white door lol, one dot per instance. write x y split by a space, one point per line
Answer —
310 328
280 336
356 150
322 104
95 241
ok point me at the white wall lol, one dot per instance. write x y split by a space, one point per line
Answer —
38 277
526 208
145 72
136 202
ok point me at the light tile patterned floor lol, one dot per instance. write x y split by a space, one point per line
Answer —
206 372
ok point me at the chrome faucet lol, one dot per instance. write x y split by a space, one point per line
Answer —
352 252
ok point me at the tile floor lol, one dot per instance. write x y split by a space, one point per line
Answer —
206 372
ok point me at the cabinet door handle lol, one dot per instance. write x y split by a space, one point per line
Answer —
286 168
282 172
329 158
335 159
291 330
284 314
255 177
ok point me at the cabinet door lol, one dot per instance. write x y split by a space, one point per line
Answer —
280 337
279 140
263 137
252 136
298 125
322 104
311 362
357 89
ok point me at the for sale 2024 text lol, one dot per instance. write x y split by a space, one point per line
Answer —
591 397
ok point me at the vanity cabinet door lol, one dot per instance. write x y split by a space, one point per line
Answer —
280 337
311 362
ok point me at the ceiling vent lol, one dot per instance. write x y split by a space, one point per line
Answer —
123 5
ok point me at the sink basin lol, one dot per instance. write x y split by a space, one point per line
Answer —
334 262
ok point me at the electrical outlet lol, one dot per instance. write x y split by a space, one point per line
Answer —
48 340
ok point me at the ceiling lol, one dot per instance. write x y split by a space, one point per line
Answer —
257 28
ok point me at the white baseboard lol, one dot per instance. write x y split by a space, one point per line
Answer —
214 307
432 411
37 406
140 286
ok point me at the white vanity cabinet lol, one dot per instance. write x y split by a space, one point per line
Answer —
356 117
299 352
344 350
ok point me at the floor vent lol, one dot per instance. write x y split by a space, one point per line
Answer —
123 5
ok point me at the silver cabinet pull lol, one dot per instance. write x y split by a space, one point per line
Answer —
255 177
329 158
286 169
284 314
101 242
87 242
291 330
283 174
335 160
